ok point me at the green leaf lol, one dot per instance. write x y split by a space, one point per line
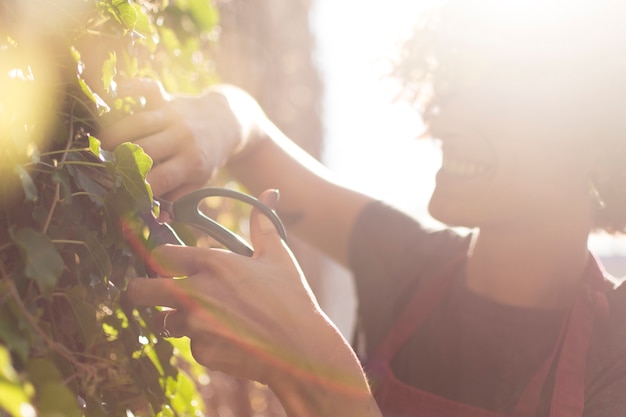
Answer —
14 400
186 396
10 333
182 346
163 350
132 164
142 22
7 373
85 314
43 371
30 190
109 69
55 400
101 105
204 13
94 146
42 261
99 254
169 39
13 397
150 381
127 13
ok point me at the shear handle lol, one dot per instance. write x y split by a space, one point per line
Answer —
186 210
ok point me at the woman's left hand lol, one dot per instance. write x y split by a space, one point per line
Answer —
189 137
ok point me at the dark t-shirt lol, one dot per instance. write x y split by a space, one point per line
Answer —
470 349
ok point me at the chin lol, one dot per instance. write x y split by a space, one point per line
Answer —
452 214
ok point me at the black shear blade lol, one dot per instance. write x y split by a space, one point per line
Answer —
186 210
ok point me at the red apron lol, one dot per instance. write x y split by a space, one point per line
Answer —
398 399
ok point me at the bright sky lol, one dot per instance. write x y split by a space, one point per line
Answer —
369 141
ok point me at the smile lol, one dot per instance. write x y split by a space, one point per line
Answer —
462 168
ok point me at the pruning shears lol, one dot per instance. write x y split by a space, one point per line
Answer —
186 210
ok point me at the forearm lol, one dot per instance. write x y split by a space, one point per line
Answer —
313 203
334 385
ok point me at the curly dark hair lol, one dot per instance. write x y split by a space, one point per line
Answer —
569 53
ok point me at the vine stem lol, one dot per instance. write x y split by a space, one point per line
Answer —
71 242
77 150
52 344
57 188
6 246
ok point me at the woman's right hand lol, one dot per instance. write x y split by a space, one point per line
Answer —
255 317
189 138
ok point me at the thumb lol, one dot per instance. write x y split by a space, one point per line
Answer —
263 233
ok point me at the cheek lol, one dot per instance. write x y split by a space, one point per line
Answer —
462 206
522 187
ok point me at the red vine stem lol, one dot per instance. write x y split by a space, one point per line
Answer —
57 188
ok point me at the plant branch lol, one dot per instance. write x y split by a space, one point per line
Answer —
50 153
6 246
57 188
52 344
71 242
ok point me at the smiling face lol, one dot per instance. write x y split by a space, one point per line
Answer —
505 162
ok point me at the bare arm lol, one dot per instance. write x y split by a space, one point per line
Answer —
313 203
191 137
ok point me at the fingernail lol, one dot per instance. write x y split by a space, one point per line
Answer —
272 198
265 224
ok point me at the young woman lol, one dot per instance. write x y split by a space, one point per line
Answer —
516 319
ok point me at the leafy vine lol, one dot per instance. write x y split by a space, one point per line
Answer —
69 343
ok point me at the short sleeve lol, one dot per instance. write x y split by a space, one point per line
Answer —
391 254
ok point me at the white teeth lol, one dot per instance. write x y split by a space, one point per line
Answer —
462 168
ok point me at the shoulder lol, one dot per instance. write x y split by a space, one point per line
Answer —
389 243
391 254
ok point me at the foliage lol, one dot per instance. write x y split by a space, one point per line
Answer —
70 238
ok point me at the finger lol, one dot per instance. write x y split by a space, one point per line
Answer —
133 127
172 174
219 354
150 89
162 145
179 261
163 292
171 323
166 176
263 234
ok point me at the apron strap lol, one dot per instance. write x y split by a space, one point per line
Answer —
568 398
529 400
417 310
571 348
569 353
